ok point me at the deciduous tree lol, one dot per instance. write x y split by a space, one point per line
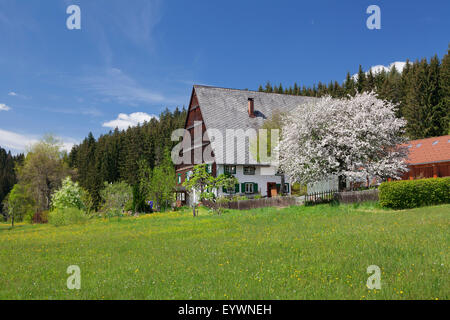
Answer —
350 138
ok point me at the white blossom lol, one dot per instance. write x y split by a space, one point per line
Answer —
352 138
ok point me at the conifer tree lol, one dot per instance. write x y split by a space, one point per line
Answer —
444 93
361 82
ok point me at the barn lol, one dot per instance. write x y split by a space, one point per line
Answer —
428 158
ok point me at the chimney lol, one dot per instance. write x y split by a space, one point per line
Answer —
251 108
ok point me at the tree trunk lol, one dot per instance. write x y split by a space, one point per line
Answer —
282 184
342 183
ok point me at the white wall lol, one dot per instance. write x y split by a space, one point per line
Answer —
262 176
324 185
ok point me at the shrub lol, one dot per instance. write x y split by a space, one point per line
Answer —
69 196
117 197
414 193
67 216
298 189
40 217
221 202
238 198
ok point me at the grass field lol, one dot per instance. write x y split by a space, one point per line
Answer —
317 252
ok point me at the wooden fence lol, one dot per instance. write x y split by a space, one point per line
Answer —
256 203
310 199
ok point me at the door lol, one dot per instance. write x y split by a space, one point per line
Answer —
271 189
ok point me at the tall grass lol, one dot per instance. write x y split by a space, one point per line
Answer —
319 252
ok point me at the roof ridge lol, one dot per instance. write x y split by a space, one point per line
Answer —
248 90
430 138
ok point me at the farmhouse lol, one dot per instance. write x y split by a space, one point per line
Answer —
216 114
428 158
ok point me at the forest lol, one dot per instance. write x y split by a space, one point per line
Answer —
421 91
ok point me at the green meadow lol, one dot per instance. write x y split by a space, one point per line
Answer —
319 252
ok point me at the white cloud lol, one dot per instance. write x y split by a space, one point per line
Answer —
15 141
4 107
124 121
18 143
399 65
118 86
17 95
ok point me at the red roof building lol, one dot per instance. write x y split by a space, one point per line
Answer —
428 158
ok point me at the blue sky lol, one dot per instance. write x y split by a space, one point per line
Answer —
132 59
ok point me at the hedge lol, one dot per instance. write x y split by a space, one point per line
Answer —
414 193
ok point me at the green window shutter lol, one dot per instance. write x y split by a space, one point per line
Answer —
243 187
278 188
255 188
236 188
288 188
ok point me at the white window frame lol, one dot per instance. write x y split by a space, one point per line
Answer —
249 187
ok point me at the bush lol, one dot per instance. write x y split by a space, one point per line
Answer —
414 193
238 198
40 217
69 196
67 216
117 197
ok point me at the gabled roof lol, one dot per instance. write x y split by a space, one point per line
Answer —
429 150
224 108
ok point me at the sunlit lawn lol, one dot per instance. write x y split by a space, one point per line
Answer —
317 252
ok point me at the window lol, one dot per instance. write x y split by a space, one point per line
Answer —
230 169
286 188
231 190
419 145
436 142
410 146
179 178
181 196
249 188
209 168
188 175
249 170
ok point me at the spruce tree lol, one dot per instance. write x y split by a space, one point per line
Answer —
361 82
444 93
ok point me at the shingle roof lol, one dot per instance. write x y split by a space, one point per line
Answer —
429 150
224 108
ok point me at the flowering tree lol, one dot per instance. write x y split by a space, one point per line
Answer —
69 196
352 138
